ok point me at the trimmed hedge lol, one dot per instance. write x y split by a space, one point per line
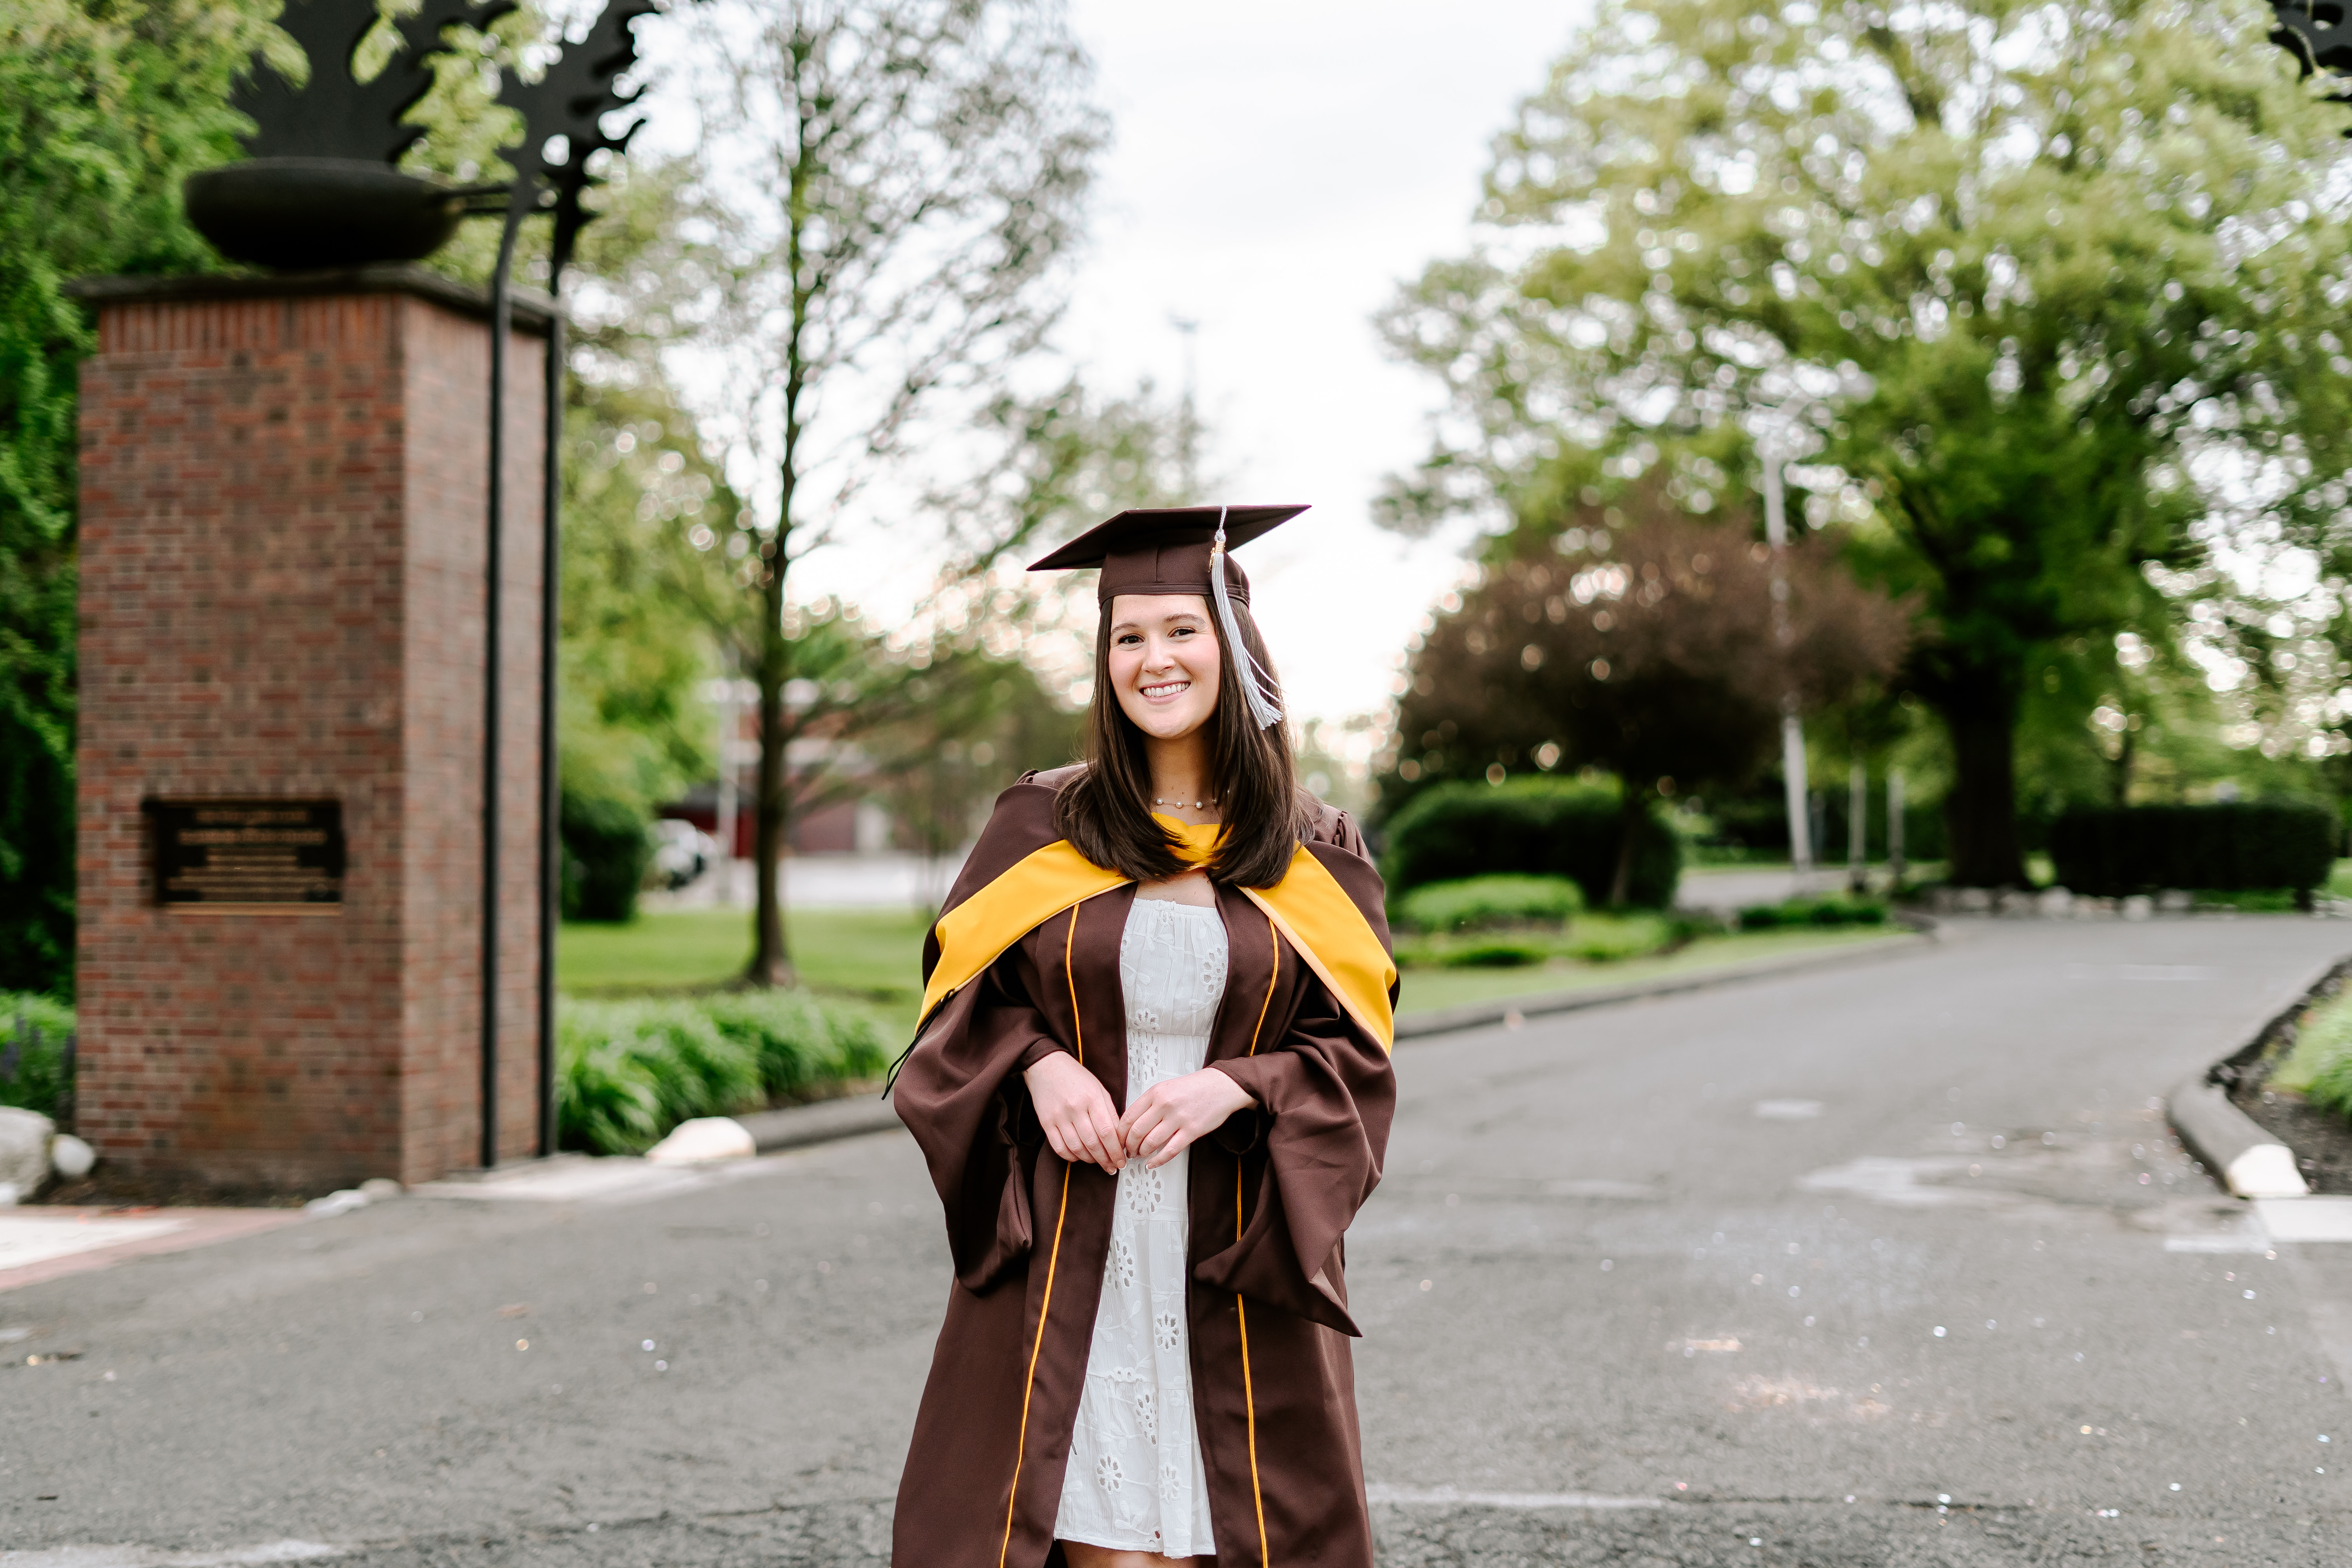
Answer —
1488 903
1533 826
607 845
2228 847
1825 912
37 1054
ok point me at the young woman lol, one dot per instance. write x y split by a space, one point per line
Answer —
1152 1085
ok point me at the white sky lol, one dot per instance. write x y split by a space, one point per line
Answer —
1279 169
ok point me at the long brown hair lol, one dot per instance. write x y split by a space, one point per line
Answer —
1105 811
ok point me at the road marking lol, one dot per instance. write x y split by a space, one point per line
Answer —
1448 1497
2305 1219
2226 1241
154 1557
1601 1188
1888 1180
1788 1110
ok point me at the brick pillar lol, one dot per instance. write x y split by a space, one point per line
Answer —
283 552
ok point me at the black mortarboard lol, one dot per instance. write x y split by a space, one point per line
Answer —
1166 549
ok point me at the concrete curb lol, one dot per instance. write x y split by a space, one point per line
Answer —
2232 1144
772 1131
797 1126
1540 1004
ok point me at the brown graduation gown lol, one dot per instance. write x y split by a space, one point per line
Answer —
1272 1193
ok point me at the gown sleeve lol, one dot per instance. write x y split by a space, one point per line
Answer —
960 1089
1326 1095
962 1095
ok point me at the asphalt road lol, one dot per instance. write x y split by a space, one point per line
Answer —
1885 1265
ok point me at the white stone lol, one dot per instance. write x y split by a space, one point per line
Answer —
378 1188
2265 1171
704 1138
2138 906
2056 902
333 1204
7 1195
24 1148
2176 900
70 1157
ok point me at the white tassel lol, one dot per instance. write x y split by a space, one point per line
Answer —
1258 686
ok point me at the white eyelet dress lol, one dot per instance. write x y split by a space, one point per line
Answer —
1135 1481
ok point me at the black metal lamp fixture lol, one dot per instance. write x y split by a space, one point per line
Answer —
321 189
2317 45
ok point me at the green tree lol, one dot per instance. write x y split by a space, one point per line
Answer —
104 106
1652 652
2028 284
902 184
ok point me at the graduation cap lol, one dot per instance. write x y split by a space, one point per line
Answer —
1182 550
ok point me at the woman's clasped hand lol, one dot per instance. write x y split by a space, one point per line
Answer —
1082 1125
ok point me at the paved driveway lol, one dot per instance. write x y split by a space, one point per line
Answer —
1669 1283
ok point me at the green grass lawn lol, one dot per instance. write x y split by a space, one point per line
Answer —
874 956
1426 990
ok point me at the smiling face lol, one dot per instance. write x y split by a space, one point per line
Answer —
1164 662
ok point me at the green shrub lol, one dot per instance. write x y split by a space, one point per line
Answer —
1823 911
798 1041
1531 825
2227 847
1488 903
1594 939
1494 953
630 1071
606 1098
2323 1041
2331 1087
606 848
37 1054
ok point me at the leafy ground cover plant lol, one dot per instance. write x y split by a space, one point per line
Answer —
37 1046
630 1071
2319 1067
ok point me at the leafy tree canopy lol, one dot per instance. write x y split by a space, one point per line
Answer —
2029 288
104 106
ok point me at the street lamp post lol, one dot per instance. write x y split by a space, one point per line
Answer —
1793 729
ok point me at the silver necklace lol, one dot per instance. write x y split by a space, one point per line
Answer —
1195 805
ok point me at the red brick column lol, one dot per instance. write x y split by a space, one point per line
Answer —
283 550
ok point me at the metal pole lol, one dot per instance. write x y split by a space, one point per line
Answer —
1894 828
725 686
1792 732
501 319
550 627
1857 827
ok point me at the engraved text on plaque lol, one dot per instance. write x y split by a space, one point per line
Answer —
249 852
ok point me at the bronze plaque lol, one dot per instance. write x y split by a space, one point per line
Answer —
248 853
